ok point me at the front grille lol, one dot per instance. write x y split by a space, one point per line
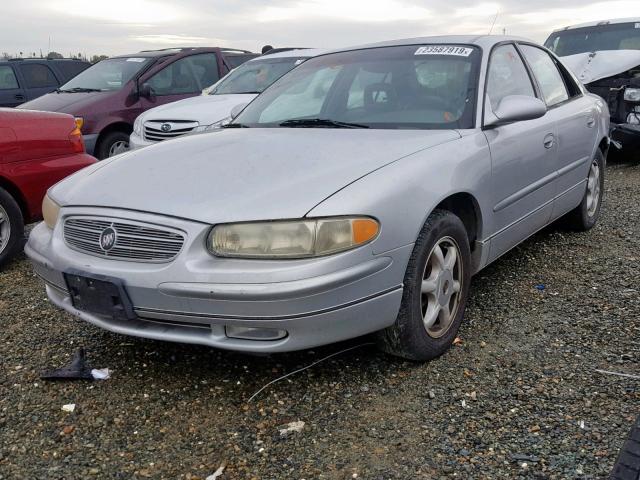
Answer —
154 131
134 241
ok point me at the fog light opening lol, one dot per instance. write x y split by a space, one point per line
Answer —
252 333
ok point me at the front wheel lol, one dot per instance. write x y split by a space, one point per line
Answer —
436 287
11 227
585 215
112 144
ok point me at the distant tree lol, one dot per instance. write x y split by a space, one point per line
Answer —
5 56
98 58
52 55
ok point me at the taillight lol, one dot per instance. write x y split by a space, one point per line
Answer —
75 137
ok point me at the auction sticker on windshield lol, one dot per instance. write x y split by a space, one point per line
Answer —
444 50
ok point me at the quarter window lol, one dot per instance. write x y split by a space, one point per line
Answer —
38 76
187 75
507 76
546 72
8 79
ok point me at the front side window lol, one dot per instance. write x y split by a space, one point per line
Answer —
617 36
507 75
38 76
109 74
547 74
255 76
8 80
187 75
416 86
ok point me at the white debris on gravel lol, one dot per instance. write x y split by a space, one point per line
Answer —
217 473
293 427
100 373
69 407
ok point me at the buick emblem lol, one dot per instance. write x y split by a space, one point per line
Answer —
108 238
165 127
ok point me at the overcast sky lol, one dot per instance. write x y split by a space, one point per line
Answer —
123 26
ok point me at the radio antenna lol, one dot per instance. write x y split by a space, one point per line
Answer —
494 21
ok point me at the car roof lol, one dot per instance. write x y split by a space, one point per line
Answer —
600 23
175 51
483 41
293 53
18 60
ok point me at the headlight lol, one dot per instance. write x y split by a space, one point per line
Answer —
50 211
137 127
291 238
79 122
632 94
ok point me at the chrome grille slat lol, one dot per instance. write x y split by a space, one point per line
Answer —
135 241
152 129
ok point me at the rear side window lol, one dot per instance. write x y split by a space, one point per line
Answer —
187 75
546 72
8 79
71 69
507 75
38 76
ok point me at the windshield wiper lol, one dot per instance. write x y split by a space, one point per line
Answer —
78 90
234 125
319 122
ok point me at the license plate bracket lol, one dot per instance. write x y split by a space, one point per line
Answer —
99 294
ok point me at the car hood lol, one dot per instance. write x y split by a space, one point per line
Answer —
204 109
242 174
593 66
73 103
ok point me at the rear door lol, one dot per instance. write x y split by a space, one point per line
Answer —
39 79
575 115
523 156
11 92
182 78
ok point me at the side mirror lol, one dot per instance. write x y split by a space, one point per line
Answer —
515 108
146 91
235 111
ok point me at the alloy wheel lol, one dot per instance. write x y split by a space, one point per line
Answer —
118 147
593 188
5 229
441 287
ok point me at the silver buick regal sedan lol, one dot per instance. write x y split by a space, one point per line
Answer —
357 194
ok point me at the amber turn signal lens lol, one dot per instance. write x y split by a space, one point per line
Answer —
363 230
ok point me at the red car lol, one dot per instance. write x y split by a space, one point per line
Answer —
37 149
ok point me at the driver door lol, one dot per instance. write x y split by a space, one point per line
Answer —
523 156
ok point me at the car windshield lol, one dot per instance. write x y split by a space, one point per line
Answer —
110 74
255 76
620 36
417 86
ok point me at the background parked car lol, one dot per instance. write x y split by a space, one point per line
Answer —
26 79
210 109
108 97
605 56
37 149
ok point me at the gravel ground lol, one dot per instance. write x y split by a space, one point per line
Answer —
517 398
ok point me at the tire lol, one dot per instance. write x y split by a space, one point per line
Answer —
11 227
627 466
585 215
409 337
110 142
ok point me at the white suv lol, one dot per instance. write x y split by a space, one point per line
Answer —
213 107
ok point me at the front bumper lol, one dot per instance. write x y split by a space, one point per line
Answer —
136 142
198 298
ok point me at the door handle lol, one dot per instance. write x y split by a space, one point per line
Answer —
591 122
19 97
549 140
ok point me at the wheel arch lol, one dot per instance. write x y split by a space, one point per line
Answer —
115 127
466 207
15 192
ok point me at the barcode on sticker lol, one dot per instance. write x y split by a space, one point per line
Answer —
444 50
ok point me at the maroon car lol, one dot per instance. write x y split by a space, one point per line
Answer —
37 149
107 97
